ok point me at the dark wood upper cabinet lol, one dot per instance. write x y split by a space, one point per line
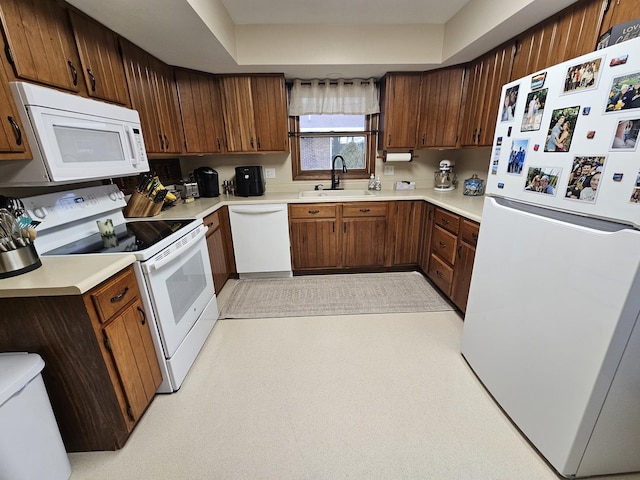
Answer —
570 33
154 95
619 11
483 83
270 112
39 42
100 58
13 142
440 100
201 109
399 110
255 113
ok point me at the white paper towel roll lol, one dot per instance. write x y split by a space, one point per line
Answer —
399 157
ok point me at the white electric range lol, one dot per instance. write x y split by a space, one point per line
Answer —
172 265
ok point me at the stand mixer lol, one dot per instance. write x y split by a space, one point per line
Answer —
445 177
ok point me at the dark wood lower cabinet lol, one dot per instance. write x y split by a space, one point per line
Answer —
101 370
364 231
448 256
379 236
220 247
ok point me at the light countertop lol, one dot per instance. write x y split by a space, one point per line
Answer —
454 201
70 275
75 275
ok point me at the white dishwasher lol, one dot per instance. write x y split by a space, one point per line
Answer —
261 240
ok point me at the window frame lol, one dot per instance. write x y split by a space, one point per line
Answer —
371 133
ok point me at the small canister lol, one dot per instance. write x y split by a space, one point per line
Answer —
474 186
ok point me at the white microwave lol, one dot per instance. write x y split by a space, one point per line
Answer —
73 139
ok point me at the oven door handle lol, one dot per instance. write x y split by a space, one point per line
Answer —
157 265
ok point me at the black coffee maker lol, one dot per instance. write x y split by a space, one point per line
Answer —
207 180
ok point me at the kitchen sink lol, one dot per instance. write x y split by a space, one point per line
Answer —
335 193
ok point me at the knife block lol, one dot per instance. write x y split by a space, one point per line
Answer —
139 205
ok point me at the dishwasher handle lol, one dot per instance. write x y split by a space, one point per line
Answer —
257 209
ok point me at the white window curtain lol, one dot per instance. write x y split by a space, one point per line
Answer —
331 97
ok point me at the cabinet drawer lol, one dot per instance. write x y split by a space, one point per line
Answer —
443 244
364 209
447 220
469 232
441 274
113 295
312 210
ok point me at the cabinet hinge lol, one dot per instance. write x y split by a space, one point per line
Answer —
107 343
130 412
7 52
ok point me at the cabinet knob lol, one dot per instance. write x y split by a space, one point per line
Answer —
442 244
313 212
439 274
444 221
365 210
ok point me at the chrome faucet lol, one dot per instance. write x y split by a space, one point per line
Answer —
335 182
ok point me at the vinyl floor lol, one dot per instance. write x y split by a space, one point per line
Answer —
385 396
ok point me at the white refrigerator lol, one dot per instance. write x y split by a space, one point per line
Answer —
551 327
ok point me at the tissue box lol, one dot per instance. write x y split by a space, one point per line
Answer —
404 185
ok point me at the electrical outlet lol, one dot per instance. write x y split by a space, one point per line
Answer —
270 172
388 169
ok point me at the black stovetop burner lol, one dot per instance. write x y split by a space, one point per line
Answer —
129 237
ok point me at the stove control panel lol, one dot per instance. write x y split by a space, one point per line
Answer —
61 208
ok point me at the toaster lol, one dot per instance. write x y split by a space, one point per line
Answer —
189 190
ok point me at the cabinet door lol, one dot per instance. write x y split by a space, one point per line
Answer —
498 73
100 59
217 251
619 11
165 94
39 37
440 98
140 80
13 142
408 219
364 241
399 115
314 243
201 109
462 275
133 353
269 97
237 107
425 244
577 30
474 88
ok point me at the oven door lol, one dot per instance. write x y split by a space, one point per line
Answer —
180 286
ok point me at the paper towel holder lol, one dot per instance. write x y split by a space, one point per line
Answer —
403 156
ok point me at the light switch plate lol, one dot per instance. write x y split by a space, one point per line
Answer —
270 172
388 170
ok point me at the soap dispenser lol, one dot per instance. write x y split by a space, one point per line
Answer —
372 182
377 184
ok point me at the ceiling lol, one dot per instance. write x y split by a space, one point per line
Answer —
318 39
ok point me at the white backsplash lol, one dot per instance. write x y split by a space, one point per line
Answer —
420 170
